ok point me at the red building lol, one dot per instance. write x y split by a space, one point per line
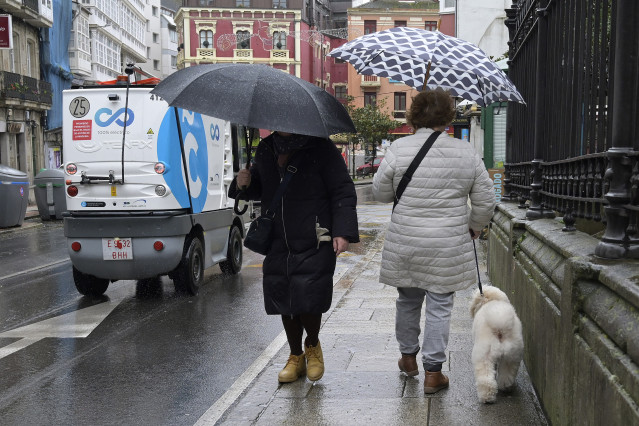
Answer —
269 32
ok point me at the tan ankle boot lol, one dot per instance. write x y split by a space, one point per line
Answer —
408 365
314 362
434 381
294 369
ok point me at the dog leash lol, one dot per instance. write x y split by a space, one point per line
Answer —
477 264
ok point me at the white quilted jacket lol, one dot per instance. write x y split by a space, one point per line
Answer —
427 243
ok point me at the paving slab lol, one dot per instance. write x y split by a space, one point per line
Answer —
362 384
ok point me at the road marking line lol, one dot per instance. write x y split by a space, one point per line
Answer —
220 406
26 271
74 324
16 346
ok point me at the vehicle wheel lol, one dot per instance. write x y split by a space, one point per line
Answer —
233 262
189 274
88 285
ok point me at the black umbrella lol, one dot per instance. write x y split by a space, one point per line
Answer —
256 96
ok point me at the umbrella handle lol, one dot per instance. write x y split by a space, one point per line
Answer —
236 207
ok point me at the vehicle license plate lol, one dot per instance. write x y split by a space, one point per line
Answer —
117 248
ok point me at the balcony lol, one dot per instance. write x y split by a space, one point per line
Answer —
15 89
204 54
31 11
370 81
399 114
243 53
279 55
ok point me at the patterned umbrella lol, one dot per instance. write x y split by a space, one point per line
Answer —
411 55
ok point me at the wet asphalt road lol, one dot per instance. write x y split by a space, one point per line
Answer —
138 355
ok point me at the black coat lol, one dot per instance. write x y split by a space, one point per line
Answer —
298 272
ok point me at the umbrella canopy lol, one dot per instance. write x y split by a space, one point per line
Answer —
411 54
256 96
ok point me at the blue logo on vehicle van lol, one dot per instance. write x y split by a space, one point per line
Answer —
105 116
196 152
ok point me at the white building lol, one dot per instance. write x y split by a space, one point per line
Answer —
161 38
481 22
114 32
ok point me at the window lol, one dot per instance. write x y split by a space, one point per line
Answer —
156 37
173 61
449 3
370 98
243 39
242 3
173 35
279 40
400 23
400 105
279 4
340 92
15 54
430 25
206 39
370 27
339 61
156 64
31 62
400 101
154 11
148 52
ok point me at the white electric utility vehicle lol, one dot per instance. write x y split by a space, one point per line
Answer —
147 188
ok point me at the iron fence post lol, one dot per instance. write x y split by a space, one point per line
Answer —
536 209
616 242
511 24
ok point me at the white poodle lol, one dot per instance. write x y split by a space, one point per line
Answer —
498 344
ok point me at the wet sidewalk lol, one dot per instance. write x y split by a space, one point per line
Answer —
362 384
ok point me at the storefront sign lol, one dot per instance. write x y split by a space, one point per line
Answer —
6 34
497 176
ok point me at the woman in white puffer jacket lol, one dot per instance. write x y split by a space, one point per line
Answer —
428 252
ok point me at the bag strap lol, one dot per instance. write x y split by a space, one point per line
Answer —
403 183
279 193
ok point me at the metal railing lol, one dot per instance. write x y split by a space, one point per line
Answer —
17 86
573 148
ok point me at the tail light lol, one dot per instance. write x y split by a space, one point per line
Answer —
72 190
159 168
72 169
158 245
76 246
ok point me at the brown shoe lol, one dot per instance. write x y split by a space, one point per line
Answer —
314 362
408 364
434 381
294 369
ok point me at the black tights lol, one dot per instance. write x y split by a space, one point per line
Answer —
294 327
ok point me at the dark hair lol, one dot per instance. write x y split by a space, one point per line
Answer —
431 108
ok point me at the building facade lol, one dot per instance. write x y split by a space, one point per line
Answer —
292 35
394 97
24 96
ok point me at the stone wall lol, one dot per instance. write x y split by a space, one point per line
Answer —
580 316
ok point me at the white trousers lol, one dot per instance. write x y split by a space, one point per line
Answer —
438 311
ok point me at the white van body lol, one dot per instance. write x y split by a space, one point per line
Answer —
142 223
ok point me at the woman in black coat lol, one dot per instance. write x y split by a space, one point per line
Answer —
315 222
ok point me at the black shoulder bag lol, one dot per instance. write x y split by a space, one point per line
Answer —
403 183
258 238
